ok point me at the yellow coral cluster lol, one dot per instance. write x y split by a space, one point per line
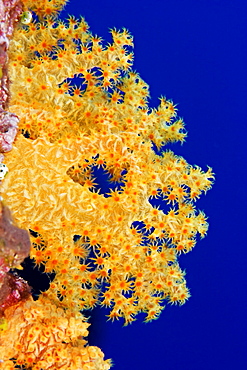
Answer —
40 336
44 8
84 112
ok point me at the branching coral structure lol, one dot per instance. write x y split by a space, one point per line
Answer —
107 214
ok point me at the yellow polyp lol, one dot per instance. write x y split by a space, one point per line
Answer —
19 267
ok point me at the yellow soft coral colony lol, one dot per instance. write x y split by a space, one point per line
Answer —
70 130
41 336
